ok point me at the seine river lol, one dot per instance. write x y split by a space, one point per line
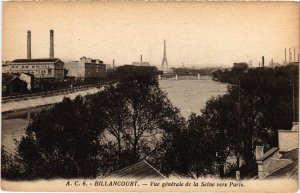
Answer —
191 95
187 93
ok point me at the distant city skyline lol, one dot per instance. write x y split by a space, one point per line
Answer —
208 34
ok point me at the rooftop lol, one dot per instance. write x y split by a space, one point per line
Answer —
139 171
290 170
36 60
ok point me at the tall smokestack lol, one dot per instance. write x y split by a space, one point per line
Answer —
272 62
290 56
285 56
113 64
263 62
28 44
51 44
294 55
141 58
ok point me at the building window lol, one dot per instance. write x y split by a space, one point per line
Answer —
49 71
22 66
12 67
26 66
33 66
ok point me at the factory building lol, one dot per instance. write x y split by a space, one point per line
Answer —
75 69
141 63
87 68
93 68
45 68
40 68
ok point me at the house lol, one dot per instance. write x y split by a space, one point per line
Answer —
139 171
280 161
11 83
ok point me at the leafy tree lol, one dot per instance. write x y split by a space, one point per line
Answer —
265 106
142 74
136 114
62 142
11 167
191 150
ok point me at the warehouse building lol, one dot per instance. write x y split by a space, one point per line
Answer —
40 68
87 68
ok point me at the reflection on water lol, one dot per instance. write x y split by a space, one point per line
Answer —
188 95
12 129
191 95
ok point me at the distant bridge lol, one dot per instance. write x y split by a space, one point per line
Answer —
181 77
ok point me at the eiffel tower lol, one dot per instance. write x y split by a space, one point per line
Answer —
164 64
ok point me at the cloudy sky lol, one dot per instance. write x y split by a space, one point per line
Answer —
206 34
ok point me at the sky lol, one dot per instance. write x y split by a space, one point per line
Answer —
200 34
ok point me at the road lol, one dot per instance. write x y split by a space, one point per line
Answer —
29 103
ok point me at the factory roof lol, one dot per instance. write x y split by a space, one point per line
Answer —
36 60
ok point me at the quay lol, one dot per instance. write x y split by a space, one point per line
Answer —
30 105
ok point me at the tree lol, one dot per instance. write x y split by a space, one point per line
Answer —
190 150
11 167
136 114
252 111
62 142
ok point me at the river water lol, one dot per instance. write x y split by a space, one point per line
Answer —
190 95
187 93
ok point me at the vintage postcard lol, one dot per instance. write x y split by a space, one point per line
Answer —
150 96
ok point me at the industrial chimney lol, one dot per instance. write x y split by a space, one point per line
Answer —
263 62
28 44
294 55
141 58
285 62
290 55
272 62
51 44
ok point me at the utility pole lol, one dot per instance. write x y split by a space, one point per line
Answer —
239 126
239 107
10 88
293 88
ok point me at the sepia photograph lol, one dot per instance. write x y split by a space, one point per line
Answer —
150 96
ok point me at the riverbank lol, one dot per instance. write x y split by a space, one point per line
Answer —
14 114
187 95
